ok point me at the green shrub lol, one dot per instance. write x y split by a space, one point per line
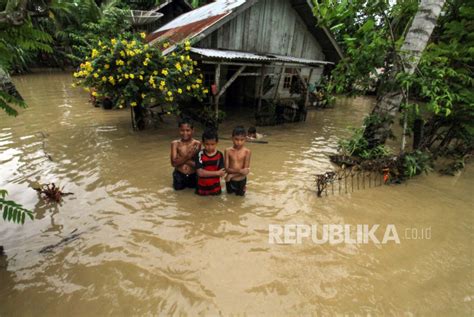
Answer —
357 146
416 163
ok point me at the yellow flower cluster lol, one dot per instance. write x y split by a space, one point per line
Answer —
187 45
173 75
86 69
152 82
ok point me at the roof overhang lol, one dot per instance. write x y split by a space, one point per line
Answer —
226 55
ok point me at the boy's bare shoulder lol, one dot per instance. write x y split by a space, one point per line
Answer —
247 150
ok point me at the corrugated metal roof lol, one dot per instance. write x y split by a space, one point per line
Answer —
247 56
298 60
195 23
190 24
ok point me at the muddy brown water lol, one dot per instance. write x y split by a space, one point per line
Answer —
143 249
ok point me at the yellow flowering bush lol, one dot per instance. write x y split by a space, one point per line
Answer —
132 73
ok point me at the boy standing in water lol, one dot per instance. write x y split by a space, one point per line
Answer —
209 166
182 153
237 163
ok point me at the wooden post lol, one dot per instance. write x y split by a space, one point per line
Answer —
216 97
278 82
260 93
230 81
306 100
303 82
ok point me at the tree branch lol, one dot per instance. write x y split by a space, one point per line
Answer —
15 12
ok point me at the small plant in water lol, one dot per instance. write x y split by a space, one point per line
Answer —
358 146
51 192
416 163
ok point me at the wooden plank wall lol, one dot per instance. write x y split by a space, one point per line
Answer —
268 27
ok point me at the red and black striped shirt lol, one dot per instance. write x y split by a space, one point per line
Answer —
209 185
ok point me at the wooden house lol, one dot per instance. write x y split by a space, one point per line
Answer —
254 50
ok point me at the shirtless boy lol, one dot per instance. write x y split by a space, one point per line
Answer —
237 163
182 154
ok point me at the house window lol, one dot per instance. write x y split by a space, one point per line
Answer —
290 77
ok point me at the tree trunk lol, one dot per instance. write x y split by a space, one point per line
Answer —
139 114
15 12
379 128
6 84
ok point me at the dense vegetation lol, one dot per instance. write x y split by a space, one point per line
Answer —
438 96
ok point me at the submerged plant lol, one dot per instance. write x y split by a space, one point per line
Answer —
51 192
358 146
416 163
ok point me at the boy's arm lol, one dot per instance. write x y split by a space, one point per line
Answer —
203 173
246 170
226 160
247 159
175 159
191 161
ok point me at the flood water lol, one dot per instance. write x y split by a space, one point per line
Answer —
142 249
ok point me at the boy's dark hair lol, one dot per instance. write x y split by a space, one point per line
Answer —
252 130
239 130
210 135
185 121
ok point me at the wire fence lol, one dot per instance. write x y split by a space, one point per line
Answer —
349 180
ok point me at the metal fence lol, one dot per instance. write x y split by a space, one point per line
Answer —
348 180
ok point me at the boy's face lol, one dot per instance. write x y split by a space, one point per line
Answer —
238 140
210 146
186 132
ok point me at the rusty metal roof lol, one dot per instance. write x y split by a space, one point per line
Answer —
192 23
248 56
202 21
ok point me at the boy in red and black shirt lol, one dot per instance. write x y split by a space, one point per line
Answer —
209 166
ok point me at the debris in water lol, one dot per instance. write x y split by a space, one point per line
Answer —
51 192
72 236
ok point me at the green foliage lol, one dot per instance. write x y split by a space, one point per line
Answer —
444 78
453 167
370 32
77 26
13 211
19 44
6 101
358 146
81 41
416 163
